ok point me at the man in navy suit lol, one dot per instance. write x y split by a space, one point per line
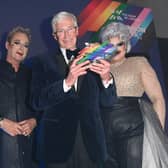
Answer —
70 97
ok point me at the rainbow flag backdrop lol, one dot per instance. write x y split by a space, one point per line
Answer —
100 13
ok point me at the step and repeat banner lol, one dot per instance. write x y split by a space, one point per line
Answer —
91 14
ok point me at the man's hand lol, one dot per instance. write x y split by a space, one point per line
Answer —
102 67
76 70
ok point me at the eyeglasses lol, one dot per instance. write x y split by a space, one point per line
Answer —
69 30
19 44
119 44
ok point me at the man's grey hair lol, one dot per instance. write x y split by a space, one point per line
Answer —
116 29
60 16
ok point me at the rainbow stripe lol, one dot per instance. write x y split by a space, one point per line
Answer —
100 51
96 10
99 13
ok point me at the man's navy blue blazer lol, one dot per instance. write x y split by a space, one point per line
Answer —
60 112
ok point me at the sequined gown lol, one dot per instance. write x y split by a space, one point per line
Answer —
124 123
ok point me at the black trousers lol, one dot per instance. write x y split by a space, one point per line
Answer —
78 159
124 127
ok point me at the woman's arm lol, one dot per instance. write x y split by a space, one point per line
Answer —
153 90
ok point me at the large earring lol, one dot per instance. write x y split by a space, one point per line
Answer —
128 47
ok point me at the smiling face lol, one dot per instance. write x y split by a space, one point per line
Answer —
121 48
66 33
17 48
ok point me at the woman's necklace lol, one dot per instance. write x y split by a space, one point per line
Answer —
118 62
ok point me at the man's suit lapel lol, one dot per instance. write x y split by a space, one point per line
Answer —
60 61
80 80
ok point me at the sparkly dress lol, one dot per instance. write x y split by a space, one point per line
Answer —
128 124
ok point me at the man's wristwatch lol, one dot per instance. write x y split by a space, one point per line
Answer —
1 120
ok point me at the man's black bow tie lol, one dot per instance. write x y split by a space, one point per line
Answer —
70 53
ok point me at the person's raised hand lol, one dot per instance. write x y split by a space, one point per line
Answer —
76 70
101 67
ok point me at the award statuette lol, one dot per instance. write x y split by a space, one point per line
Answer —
93 53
